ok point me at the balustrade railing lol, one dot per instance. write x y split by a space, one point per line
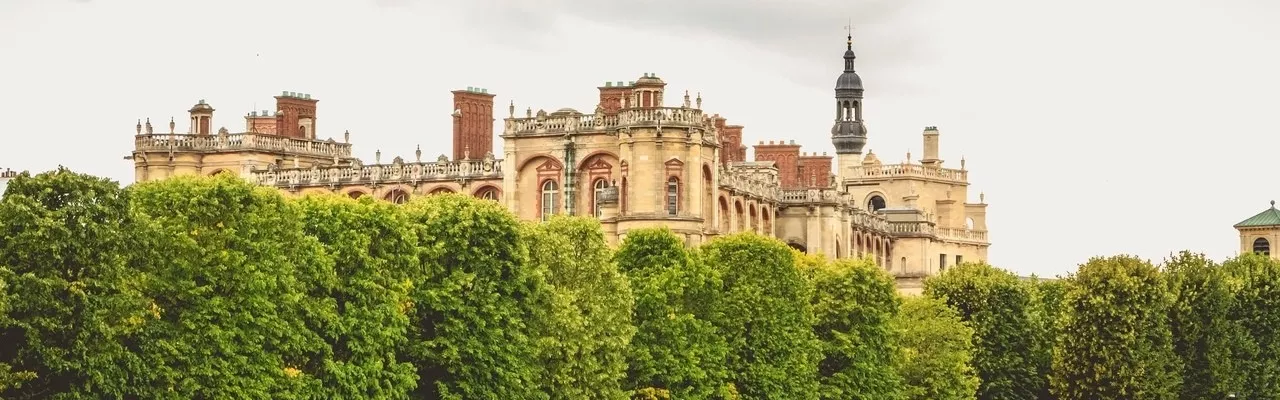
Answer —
911 228
552 123
744 182
241 141
382 173
907 170
970 235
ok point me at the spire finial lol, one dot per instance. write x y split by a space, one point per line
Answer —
849 38
1273 204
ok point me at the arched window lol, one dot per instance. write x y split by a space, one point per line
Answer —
549 190
1262 246
599 187
355 194
489 194
875 203
673 195
398 196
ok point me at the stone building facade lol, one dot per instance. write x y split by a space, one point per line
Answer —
632 162
1260 232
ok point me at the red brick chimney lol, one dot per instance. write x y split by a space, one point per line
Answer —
296 115
472 123
785 157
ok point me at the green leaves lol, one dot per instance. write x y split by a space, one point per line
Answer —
999 308
1114 340
936 351
586 327
765 317
240 290
73 309
854 303
473 302
677 351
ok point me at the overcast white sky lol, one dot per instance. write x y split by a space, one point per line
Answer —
1095 127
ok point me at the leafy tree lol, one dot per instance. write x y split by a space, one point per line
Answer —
998 307
854 303
1114 340
237 287
9 379
1255 281
1046 307
474 298
765 317
374 248
1203 336
676 352
936 351
587 329
73 307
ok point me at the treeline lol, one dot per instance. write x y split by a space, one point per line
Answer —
211 287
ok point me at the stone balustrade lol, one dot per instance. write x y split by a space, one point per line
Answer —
380 173
911 228
907 170
574 122
813 196
745 182
962 234
241 142
866 221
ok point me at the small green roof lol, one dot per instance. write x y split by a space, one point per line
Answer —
1268 217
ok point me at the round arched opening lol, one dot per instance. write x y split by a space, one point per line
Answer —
1262 246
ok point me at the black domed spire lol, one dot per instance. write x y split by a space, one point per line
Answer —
849 134
849 80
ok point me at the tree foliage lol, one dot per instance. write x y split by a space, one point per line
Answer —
998 307
373 246
239 291
677 352
854 302
73 305
1255 281
765 317
1114 340
1045 308
1203 336
936 351
586 328
472 309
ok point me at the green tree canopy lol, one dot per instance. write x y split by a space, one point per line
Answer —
1114 340
587 329
1203 336
936 351
1045 308
238 288
998 307
74 306
1255 281
374 248
765 317
473 307
854 302
677 352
